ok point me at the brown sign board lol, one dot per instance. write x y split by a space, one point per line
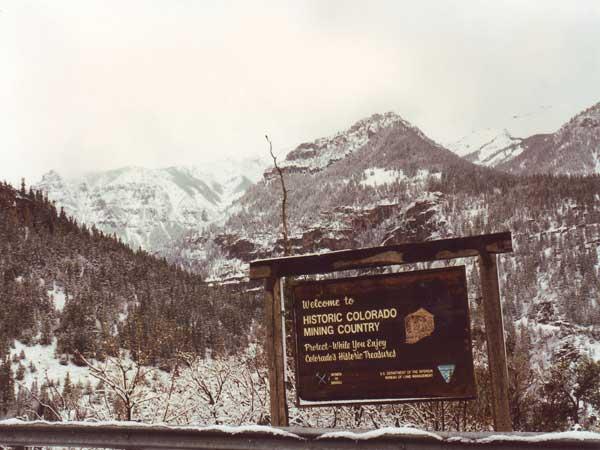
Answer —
383 338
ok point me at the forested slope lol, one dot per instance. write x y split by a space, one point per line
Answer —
89 294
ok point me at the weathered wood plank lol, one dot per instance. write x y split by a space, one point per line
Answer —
270 349
281 404
496 348
382 256
274 352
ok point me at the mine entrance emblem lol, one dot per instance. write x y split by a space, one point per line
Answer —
419 325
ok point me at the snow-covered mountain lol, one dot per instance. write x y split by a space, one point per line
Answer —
488 147
321 153
486 138
573 149
151 208
331 182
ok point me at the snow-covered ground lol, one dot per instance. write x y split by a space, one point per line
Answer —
58 297
46 364
488 139
488 147
376 176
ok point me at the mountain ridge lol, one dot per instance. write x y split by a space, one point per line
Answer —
574 149
149 208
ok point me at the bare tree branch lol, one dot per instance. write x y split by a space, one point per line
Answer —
129 391
286 243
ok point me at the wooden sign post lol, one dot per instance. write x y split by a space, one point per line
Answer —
485 247
494 332
274 350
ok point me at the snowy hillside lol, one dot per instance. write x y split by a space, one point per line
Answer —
573 150
487 140
497 144
487 147
150 208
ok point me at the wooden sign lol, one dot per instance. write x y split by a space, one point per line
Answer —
385 338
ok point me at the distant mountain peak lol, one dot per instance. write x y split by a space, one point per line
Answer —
574 149
51 175
379 119
51 181
586 119
317 155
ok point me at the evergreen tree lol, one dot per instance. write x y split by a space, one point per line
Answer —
20 375
7 387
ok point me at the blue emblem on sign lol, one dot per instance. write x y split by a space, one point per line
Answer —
446 370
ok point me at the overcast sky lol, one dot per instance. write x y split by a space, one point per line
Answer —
88 85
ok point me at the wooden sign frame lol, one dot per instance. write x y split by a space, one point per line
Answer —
485 247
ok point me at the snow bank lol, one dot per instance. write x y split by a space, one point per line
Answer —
58 297
377 176
546 437
587 436
242 429
42 356
373 434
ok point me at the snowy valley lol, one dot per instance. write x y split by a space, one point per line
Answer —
85 300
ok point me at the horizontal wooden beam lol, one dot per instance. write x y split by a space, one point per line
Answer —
382 256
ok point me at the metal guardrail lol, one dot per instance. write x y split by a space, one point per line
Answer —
142 436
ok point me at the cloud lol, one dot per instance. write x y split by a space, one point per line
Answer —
98 85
